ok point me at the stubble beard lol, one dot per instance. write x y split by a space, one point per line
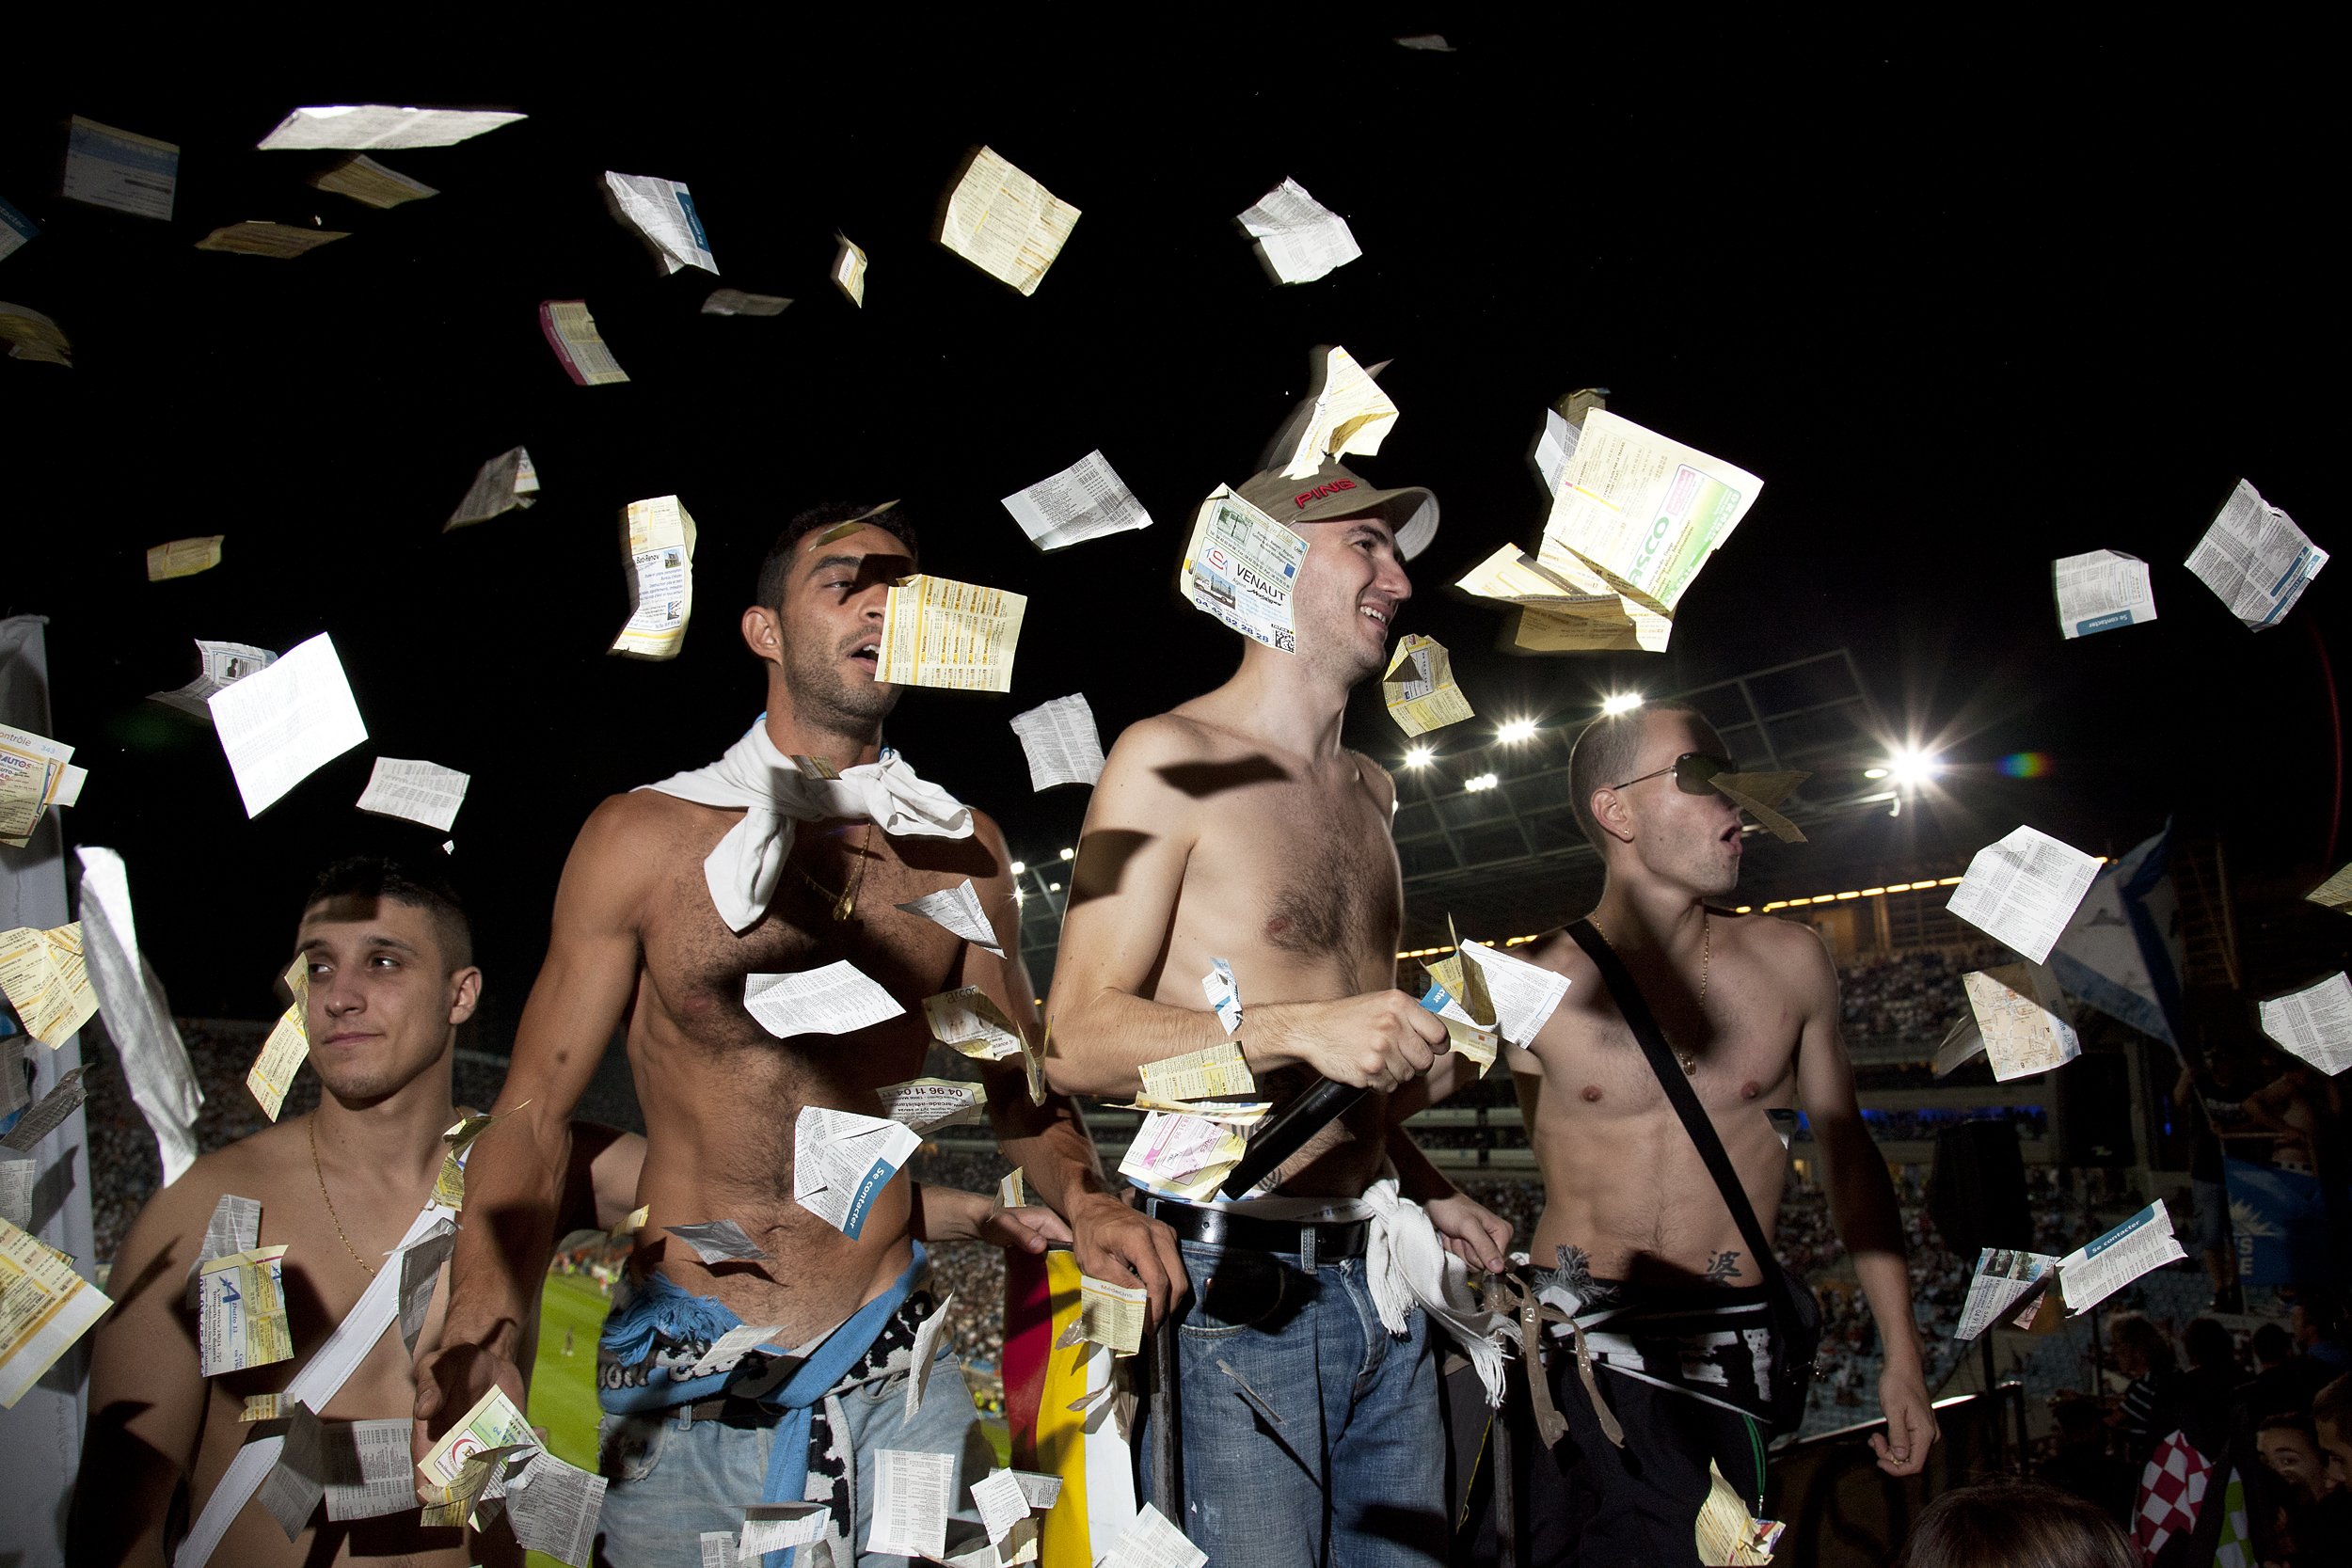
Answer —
824 697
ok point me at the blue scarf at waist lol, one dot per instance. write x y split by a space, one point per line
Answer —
657 1310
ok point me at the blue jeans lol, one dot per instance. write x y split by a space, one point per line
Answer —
1312 1435
671 1478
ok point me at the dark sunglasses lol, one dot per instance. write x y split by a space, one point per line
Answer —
1694 773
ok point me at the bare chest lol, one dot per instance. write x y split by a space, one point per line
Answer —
1735 1054
1299 876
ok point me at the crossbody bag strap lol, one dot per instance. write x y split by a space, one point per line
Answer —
1634 1009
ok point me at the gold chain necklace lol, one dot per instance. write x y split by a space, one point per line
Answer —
845 902
1707 966
321 1174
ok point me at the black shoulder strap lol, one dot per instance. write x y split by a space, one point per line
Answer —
1685 1100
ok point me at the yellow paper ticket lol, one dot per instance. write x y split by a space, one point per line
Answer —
493 1423
287 1048
1419 690
1107 1315
967 1023
659 536
1218 1073
184 558
242 1318
937 631
45 1307
47 982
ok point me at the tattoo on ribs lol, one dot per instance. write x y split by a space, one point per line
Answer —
1723 1268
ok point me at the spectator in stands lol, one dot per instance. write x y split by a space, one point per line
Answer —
2331 1423
2010 1523
2283 1380
2314 1515
2315 1319
2151 1406
2082 1465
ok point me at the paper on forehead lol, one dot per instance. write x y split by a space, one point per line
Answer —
64 1097
2022 1018
939 632
1086 500
2095 1271
1298 239
2314 1023
1758 794
661 214
415 791
120 169
1217 1073
504 483
1344 411
658 539
849 271
834 999
842 1160
927 1104
284 240
719 1241
379 126
1418 686
280 724
1525 995
2255 560
967 1023
2100 590
184 558
2023 890
1240 568
957 909
1151 1542
220 665
735 302
912 1493
156 1064
365 180
1003 222
1060 742
571 332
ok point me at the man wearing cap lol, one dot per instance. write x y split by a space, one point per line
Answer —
1237 827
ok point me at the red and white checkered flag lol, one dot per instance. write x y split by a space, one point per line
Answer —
2170 1490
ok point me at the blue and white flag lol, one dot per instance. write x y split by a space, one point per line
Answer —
2121 952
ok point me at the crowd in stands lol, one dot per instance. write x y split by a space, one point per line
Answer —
1909 994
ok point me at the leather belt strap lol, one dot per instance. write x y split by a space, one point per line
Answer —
1326 1240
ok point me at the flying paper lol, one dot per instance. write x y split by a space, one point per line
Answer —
1300 239
504 484
221 666
2022 1020
1218 1073
2314 1023
735 302
848 271
2023 890
1418 686
721 1242
1004 223
280 724
36 773
911 1491
2097 1270
115 168
927 1104
658 536
2335 893
936 631
242 1308
2255 560
836 999
957 909
571 331
369 182
184 558
379 126
45 1308
413 791
841 1161
15 230
1525 995
1344 411
156 1064
2003 1278
2100 591
1060 742
33 336
288 1046
662 214
968 1023
254 237
46 981
1086 500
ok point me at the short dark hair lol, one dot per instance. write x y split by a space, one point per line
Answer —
375 877
2137 1331
776 566
2208 1343
2015 1524
1604 752
2289 1421
2273 1344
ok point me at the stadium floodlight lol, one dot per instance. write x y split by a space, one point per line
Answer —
1874 772
1484 781
1420 757
1619 702
1069 854
1019 867
1053 887
1517 730
1911 767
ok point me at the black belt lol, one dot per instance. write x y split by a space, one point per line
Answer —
1222 1228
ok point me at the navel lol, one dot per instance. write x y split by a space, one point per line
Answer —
1592 1094
1748 1090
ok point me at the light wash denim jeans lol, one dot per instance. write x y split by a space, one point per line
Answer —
1312 1435
670 1479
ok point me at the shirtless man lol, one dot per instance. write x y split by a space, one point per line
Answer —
1647 1256
1237 827
666 905
391 977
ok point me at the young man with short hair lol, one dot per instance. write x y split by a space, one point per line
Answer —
392 976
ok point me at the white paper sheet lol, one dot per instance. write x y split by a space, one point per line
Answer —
968 1023
911 1491
719 1241
1525 995
2003 1276
224 664
280 724
2314 1023
2021 1020
17 1174
2100 590
836 999
925 1351
928 1104
553 1507
1004 223
735 1344
1060 742
959 909
291 1490
1001 1502
2095 1271
1153 1541
1240 568
662 214
2023 890
362 127
777 1526
735 302
122 169
2255 560
842 1160
369 1473
156 1064
419 1264
415 791
1086 500
365 180
505 482
658 536
64 1097
1298 237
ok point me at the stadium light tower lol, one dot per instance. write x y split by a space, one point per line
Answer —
1419 756
1619 702
1515 730
1909 768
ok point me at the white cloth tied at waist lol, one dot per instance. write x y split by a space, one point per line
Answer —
1408 1266
775 796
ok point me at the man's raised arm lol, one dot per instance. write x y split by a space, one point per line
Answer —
515 1174
1862 1206
1140 831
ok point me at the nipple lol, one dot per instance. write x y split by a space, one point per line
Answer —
1748 1090
1592 1094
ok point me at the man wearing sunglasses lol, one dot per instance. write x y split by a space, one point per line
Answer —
1638 1241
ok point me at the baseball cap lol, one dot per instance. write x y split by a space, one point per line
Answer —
1331 492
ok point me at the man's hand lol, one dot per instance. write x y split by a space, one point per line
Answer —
1382 1039
451 1382
1031 1228
1472 1231
1120 1245
1911 1430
